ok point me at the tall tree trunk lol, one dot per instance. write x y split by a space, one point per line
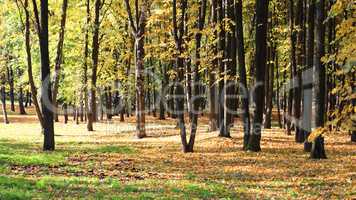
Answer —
29 64
308 77
244 90
318 151
46 92
299 136
230 72
59 58
260 67
269 92
213 101
95 60
278 90
88 110
196 77
292 68
221 53
138 28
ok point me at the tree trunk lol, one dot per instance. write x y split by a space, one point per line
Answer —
212 74
59 58
29 64
292 68
46 92
95 60
244 90
299 136
138 28
230 72
260 66
353 136
221 48
278 90
162 99
21 100
65 113
3 102
318 151
88 110
108 98
10 77
308 77
269 92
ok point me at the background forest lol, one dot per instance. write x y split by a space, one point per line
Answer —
224 79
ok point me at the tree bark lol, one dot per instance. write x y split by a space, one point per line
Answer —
88 111
59 57
292 68
21 100
308 77
10 78
46 92
29 65
260 67
139 34
300 57
318 151
269 92
221 58
3 102
212 74
244 90
95 60
162 97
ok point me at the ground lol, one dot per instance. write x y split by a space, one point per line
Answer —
111 163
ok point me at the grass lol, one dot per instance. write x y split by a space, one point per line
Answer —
116 165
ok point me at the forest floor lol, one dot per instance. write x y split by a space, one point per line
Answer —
111 163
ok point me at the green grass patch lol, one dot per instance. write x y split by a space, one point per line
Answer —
116 149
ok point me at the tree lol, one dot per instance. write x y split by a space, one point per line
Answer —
212 74
89 114
3 99
46 92
293 67
242 73
318 151
59 57
308 76
10 78
95 60
138 31
300 58
260 68
29 61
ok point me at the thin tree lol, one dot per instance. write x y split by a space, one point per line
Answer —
138 30
3 99
212 75
59 57
242 73
293 66
89 115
